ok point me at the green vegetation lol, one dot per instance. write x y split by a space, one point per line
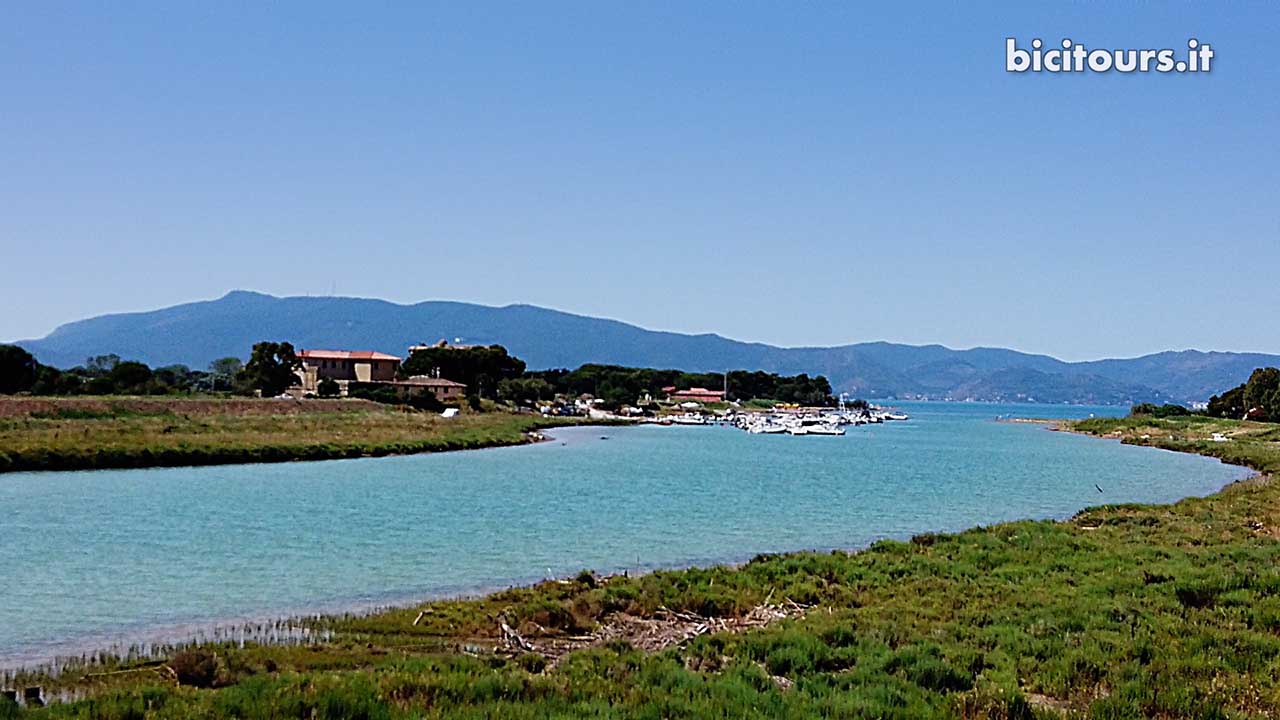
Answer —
100 375
328 388
17 370
110 375
1159 411
1257 399
420 398
1124 611
489 372
480 368
81 433
1252 444
618 386
270 369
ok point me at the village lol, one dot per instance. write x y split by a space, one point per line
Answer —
345 373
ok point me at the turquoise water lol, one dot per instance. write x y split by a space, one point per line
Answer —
94 558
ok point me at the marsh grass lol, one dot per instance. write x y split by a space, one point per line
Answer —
1124 611
147 433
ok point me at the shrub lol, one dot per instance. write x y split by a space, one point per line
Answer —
1159 411
328 388
198 668
532 663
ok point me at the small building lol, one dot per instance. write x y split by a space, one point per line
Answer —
700 395
444 390
367 366
346 365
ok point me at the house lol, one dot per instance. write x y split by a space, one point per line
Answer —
345 366
701 395
366 366
444 390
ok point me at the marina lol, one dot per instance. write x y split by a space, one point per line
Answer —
790 420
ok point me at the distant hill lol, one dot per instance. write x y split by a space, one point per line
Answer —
196 333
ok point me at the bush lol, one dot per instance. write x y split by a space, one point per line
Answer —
1159 411
198 668
328 388
422 399
532 663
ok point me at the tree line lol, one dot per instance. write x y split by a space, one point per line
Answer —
489 372
617 385
1257 398
269 371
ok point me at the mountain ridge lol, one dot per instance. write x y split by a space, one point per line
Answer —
197 332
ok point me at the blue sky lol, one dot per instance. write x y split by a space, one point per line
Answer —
794 173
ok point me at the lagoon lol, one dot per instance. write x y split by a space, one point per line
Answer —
93 559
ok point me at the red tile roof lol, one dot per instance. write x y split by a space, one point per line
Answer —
697 394
345 355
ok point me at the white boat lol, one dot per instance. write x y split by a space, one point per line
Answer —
798 430
829 429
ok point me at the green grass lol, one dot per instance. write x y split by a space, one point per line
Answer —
1124 611
1252 444
47 434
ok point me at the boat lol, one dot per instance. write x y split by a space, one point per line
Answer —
828 429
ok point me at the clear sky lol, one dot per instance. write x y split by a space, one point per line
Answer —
794 173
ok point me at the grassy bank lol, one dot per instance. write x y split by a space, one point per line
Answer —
85 433
1124 611
1252 444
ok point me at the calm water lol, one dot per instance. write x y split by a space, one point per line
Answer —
91 558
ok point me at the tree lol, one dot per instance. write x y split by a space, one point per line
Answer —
270 369
223 371
481 369
1260 395
1229 404
328 388
18 369
1262 392
102 364
52 381
1159 411
525 391
130 378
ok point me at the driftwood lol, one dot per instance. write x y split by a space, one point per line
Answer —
513 639
666 628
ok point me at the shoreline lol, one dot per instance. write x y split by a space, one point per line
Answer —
334 429
947 619
184 633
